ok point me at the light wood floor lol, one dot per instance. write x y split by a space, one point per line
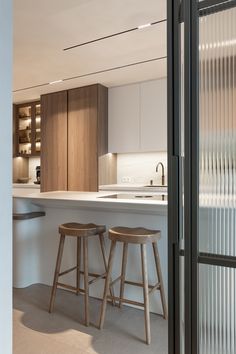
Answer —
38 332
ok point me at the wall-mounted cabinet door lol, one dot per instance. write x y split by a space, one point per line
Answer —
153 116
137 117
54 141
83 139
123 119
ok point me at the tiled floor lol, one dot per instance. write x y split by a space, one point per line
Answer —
38 332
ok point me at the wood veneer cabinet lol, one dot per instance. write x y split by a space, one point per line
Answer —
87 135
83 126
54 142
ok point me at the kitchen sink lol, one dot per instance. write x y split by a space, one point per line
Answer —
155 185
161 197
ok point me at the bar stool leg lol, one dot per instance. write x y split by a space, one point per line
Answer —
123 271
160 279
86 280
78 265
102 244
107 283
57 271
145 293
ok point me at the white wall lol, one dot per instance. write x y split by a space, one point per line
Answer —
6 177
140 167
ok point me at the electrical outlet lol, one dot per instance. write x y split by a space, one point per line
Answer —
126 179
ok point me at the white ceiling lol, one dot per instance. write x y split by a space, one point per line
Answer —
43 28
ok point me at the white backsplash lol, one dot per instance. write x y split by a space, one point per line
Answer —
140 167
33 162
131 168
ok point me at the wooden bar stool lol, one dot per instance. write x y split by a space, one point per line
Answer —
81 232
142 237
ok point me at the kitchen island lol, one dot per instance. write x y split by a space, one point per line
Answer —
36 240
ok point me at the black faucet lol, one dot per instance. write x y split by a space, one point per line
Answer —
163 173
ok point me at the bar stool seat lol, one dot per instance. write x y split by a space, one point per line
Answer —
140 236
82 232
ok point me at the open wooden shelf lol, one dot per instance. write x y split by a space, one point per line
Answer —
27 128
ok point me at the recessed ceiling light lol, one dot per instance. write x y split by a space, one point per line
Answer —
144 26
55 82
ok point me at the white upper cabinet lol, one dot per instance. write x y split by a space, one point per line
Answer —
137 117
153 115
123 119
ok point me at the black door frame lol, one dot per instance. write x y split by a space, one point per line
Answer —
188 12
173 108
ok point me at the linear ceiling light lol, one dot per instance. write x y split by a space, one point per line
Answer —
144 26
94 73
115 34
55 82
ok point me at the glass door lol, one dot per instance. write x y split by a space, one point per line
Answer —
217 181
202 176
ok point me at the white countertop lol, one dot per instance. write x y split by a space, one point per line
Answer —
92 200
107 187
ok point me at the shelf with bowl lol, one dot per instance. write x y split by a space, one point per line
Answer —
27 129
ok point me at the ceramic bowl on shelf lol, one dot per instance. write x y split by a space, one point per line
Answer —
23 180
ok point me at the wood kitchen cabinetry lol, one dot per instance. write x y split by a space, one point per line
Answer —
74 135
138 117
27 129
87 135
54 142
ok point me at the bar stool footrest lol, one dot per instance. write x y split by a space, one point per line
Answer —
154 287
157 286
69 287
125 301
92 275
67 271
96 278
115 280
74 289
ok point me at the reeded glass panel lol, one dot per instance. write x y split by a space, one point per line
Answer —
217 310
217 182
217 131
